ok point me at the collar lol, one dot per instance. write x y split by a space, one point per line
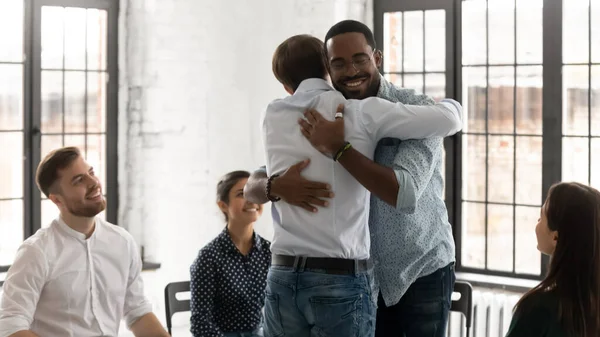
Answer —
228 245
311 84
73 233
384 86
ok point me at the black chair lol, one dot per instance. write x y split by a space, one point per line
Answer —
464 305
172 304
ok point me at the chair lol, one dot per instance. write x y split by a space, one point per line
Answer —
464 305
172 304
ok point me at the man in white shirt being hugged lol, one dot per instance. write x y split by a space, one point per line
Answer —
319 283
80 276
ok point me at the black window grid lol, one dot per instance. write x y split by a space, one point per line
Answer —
551 135
32 133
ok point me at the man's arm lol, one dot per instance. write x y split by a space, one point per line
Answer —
328 137
290 186
399 188
256 187
416 160
383 119
378 179
22 288
137 309
148 326
402 186
414 165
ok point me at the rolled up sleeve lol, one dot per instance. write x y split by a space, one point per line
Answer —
22 288
136 303
414 165
406 190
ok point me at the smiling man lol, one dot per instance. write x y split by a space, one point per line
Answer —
412 245
81 275
319 282
411 239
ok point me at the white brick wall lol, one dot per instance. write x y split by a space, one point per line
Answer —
194 78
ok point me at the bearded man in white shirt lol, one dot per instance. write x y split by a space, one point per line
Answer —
80 276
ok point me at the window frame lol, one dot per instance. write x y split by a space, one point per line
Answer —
32 108
552 114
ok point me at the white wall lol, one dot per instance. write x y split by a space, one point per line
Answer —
194 78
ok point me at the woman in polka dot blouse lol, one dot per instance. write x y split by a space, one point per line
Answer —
228 278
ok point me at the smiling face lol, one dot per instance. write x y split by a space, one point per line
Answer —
78 191
353 65
239 211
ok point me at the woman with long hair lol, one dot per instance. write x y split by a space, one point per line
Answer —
228 278
567 301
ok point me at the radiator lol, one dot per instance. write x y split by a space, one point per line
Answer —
492 311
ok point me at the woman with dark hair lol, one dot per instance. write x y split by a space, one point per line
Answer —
228 278
567 301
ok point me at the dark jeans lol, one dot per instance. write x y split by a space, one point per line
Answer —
313 303
422 311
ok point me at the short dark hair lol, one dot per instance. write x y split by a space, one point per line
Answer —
47 171
351 26
299 58
226 183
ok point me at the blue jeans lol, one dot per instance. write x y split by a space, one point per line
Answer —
422 311
311 303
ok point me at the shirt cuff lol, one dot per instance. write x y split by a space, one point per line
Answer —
406 190
450 103
132 316
9 326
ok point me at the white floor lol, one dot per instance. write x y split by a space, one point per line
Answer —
178 331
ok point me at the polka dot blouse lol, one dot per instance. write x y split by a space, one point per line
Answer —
228 288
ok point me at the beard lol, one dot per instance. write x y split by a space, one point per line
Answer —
87 211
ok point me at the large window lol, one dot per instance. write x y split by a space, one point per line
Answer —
57 88
502 136
11 129
581 92
529 116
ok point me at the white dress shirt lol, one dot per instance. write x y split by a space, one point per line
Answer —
341 229
62 284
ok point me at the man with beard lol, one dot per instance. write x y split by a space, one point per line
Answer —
412 246
319 280
81 275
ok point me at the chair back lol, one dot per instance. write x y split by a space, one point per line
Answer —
172 304
464 305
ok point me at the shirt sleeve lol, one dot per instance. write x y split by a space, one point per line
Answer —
383 119
202 289
22 288
414 165
263 137
410 96
136 303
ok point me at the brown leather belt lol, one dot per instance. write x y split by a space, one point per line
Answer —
326 264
